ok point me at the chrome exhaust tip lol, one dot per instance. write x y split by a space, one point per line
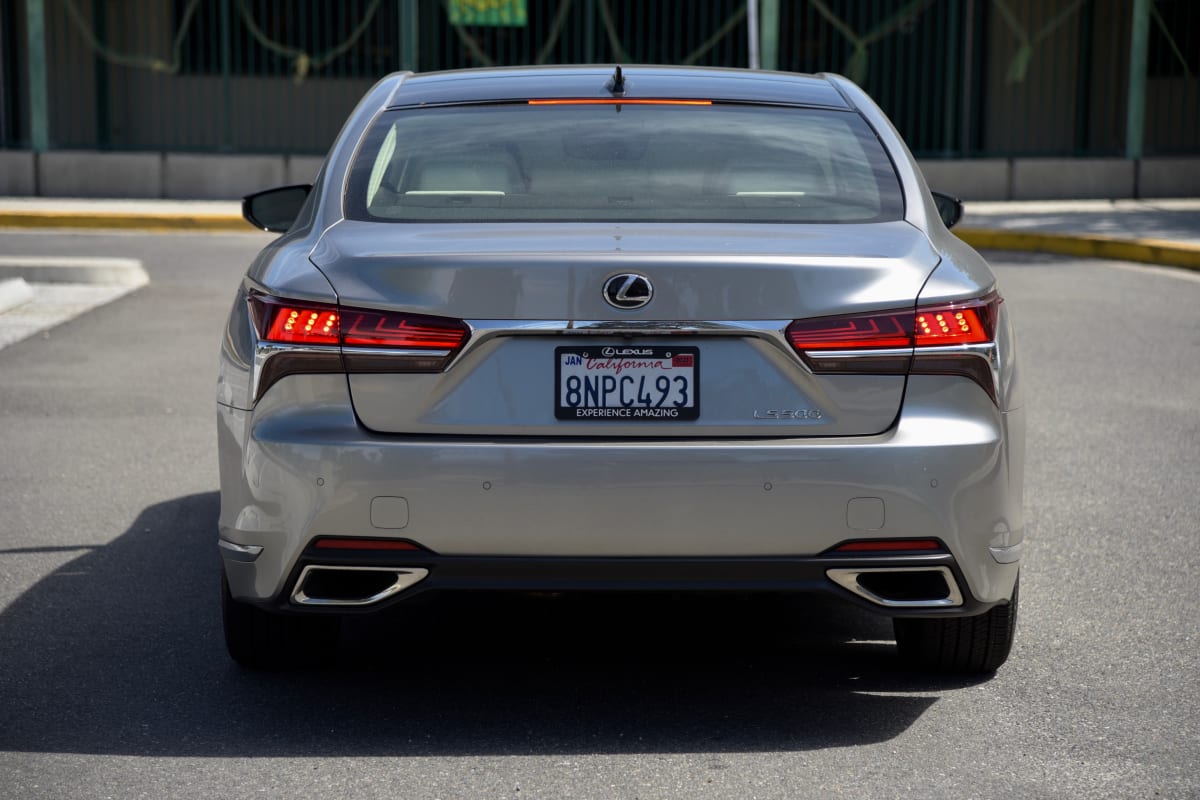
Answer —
900 587
353 586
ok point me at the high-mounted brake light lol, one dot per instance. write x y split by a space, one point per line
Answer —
618 101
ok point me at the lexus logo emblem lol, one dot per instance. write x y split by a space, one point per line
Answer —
628 291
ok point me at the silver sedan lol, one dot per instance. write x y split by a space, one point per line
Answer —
644 329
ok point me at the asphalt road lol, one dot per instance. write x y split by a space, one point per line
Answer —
114 681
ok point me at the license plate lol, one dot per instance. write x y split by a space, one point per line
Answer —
627 383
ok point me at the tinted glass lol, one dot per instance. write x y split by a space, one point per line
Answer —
635 163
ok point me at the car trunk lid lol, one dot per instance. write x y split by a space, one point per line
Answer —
533 295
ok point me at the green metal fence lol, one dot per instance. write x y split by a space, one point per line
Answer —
961 78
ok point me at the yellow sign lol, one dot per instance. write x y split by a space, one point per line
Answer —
509 13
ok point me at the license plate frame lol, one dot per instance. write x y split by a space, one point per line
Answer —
620 362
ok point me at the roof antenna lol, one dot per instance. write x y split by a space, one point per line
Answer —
616 84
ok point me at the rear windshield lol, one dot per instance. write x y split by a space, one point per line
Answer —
633 163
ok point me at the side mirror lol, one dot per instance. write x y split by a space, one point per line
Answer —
950 209
275 209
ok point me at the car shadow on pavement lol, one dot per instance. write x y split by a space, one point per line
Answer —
120 651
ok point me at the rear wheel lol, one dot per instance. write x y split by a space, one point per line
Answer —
959 644
258 639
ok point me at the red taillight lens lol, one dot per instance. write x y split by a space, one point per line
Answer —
302 322
362 328
884 329
971 322
332 543
291 322
887 546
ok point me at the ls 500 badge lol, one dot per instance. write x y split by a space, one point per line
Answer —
788 413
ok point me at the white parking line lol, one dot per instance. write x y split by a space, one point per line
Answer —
38 292
1166 272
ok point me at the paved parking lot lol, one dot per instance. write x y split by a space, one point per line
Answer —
115 682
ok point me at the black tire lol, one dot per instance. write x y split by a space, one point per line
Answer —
967 645
259 639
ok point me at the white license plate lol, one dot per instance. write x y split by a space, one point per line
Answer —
627 383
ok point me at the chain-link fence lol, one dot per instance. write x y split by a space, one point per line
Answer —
961 78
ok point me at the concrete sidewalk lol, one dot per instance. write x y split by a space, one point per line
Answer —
1165 232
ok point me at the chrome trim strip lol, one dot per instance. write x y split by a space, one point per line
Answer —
239 552
405 577
508 327
848 579
768 330
512 327
670 327
396 353
901 352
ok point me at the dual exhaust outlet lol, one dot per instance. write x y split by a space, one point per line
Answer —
901 587
888 587
353 586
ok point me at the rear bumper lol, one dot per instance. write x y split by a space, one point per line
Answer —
929 586
622 514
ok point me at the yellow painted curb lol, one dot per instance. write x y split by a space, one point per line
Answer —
1149 251
130 221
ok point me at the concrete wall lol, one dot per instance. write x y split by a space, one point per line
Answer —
1169 177
1064 178
970 179
17 173
1072 178
82 173
77 173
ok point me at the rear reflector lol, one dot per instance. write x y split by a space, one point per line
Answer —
328 543
887 546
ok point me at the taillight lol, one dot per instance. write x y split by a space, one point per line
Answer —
903 340
292 322
971 322
302 322
362 328
876 330
371 340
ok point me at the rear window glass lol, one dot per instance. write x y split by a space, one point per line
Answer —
634 163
